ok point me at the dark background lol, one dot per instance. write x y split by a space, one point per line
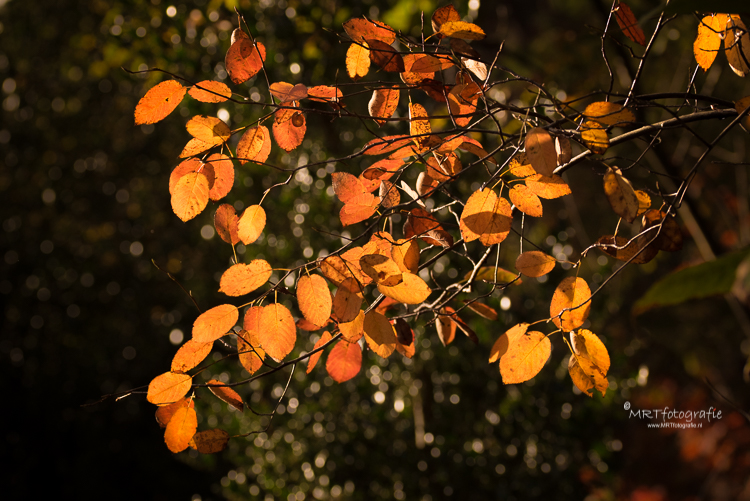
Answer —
85 209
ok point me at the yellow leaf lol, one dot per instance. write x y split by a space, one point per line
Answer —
708 42
621 195
594 137
606 113
379 334
412 290
525 357
540 151
210 130
209 91
357 61
572 294
527 202
251 224
535 263
486 217
589 363
461 29
353 330
190 195
241 279
347 301
508 338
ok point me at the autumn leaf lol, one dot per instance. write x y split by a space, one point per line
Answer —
251 224
447 13
590 362
186 167
418 124
244 59
488 273
622 249
168 388
347 301
644 202
670 234
254 145
339 268
225 393
526 200
525 357
509 337
481 309
606 113
225 222
594 137
462 103
708 42
360 29
223 176
629 24
421 223
344 361
737 46
209 91
381 145
404 338
405 253
572 294
461 29
190 355
215 323
291 133
379 334
210 130
241 279
381 269
190 195
388 194
250 353
164 413
547 187
385 56
382 170
355 329
324 94
314 298
277 333
358 203
287 93
445 327
540 151
383 103
620 194
210 441
159 101
357 61
535 263
486 217
563 149
313 360
181 429
411 290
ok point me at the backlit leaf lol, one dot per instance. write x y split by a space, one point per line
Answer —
250 353
388 194
225 222
355 329
443 15
411 290
405 253
347 187
195 147
360 29
670 234
462 103
291 133
488 273
324 93
313 360
526 201
540 151
186 167
708 42
509 337
446 328
386 144
344 361
159 101
589 364
486 217
383 103
254 145
620 194
181 429
190 355
209 91
358 209
463 326
251 224
644 202
461 29
418 123
385 56
277 333
421 223
164 413
547 187
357 61
379 334
210 130
339 268
535 263
737 46
215 323
244 59
428 63
404 338
573 293
223 176
168 388
525 357
286 92
629 24
620 249
190 195
481 309
381 269
606 113
210 441
241 279
594 137
227 394
314 298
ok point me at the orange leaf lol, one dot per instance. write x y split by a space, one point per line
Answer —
225 222
347 187
421 223
210 130
386 144
347 301
190 355
525 199
338 268
462 325
590 362
313 360
324 93
670 235
314 299
443 15
254 145
185 167
547 187
708 42
540 151
353 330
573 293
461 29
486 217
382 170
381 268
303 324
277 333
291 133
594 137
215 323
244 59
223 176
383 103
286 92
525 357
250 353
190 195
620 249
446 328
462 103
210 441
535 263
406 255
427 63
379 334
209 91
164 414
606 113
344 361
251 224
509 337
359 209
168 388
621 195
411 290
357 61
385 56
159 101
418 124
181 429
388 194
628 24
241 279
360 29
481 309
227 394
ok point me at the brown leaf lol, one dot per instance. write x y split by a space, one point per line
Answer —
385 56
215 323
181 429
525 357
225 222
244 59
620 249
563 150
347 301
241 279
383 103
572 294
421 223
446 328
168 388
313 360
486 217
404 338
481 309
737 46
344 361
210 441
227 394
251 224
670 235
540 151
277 333
209 91
388 194
314 299
443 15
190 355
629 24
190 195
621 195
159 101
360 29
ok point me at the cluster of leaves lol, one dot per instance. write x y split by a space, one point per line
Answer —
522 168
